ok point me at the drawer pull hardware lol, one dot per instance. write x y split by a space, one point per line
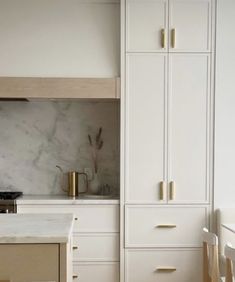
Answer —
75 247
162 189
173 37
75 276
172 190
166 269
75 218
163 38
166 226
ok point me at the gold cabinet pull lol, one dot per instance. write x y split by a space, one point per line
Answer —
166 269
163 38
172 190
173 37
166 226
162 190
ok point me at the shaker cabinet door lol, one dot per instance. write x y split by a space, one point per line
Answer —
145 130
189 124
190 25
146 20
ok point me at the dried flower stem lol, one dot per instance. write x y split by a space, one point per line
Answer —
95 147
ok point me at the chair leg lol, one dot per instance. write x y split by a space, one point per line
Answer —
229 270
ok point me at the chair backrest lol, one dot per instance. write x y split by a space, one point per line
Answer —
224 215
210 257
229 253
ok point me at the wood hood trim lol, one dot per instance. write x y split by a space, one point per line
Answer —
59 88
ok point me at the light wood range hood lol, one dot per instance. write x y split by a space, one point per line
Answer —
59 88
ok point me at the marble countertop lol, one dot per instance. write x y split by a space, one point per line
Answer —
65 200
35 228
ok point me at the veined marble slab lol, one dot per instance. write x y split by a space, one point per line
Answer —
35 228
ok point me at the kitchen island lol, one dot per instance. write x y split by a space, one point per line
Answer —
36 247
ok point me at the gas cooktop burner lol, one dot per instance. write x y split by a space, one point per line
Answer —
9 195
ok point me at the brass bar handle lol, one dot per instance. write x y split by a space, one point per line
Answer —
172 190
166 226
163 38
166 269
173 38
162 190
75 276
75 248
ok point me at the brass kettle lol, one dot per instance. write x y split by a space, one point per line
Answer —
73 182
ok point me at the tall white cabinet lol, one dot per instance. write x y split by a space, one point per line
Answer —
168 56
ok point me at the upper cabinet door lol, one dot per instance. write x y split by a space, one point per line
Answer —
189 128
147 24
145 127
190 25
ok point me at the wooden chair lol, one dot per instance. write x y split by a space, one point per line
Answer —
210 257
229 252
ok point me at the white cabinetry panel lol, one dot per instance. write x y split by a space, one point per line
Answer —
151 226
145 265
145 20
96 247
89 218
189 110
99 272
191 20
146 87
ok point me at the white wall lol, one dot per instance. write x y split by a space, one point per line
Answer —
225 106
68 38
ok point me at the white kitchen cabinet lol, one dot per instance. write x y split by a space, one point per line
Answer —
145 105
168 128
99 272
187 27
190 24
151 226
146 20
95 235
96 247
175 265
189 128
167 137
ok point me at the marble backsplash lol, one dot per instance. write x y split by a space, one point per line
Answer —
37 136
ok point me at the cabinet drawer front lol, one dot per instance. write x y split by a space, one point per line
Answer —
96 247
163 265
103 272
151 226
90 218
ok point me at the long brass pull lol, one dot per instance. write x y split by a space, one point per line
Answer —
163 38
173 37
162 190
172 190
166 226
166 269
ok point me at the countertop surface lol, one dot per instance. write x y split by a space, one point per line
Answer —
35 228
65 200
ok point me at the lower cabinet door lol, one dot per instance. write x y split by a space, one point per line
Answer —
96 247
163 265
29 262
98 272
